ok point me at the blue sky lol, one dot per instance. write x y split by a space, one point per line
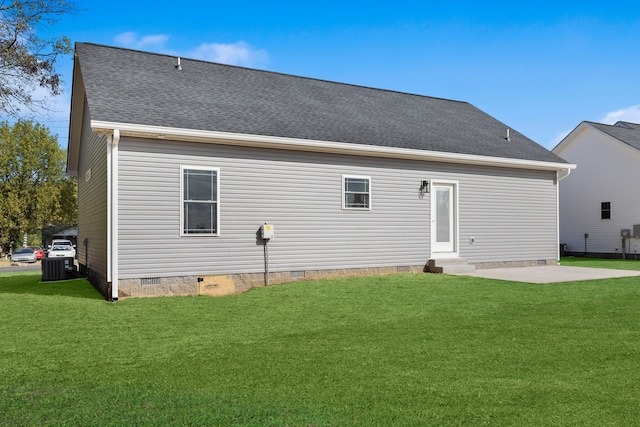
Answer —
541 68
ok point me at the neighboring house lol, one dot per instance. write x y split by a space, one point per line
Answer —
599 200
180 162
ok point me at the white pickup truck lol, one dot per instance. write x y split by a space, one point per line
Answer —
61 248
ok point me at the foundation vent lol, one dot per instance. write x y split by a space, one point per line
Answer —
150 281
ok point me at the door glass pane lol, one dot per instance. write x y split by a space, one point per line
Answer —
443 215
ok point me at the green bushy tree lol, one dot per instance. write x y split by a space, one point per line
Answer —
34 191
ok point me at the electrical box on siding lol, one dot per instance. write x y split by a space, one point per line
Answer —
267 231
636 230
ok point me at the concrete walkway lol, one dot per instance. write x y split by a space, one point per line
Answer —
550 274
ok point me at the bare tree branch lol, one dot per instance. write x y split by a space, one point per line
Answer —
27 61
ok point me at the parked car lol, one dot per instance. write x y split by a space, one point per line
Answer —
23 255
62 244
39 251
61 250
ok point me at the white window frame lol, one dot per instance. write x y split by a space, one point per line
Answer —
603 210
183 168
352 208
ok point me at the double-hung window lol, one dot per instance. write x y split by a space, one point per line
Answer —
356 192
605 210
200 212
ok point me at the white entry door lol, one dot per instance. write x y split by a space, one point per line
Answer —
444 219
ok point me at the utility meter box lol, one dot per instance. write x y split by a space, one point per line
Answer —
266 231
636 230
625 233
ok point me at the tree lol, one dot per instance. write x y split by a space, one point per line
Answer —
34 191
27 61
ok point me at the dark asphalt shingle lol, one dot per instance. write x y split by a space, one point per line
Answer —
143 88
629 133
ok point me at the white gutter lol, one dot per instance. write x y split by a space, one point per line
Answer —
227 138
112 212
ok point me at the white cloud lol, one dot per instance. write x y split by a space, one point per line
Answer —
153 40
239 53
48 110
55 114
558 138
628 114
45 106
126 39
132 40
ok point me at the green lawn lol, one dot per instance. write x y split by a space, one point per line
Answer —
616 264
419 350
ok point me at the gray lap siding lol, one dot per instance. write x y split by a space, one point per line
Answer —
92 206
300 193
510 217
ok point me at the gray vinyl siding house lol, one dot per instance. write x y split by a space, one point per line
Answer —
179 167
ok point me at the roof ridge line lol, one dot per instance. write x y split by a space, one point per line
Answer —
612 125
257 70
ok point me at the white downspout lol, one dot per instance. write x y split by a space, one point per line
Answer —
560 175
563 173
112 212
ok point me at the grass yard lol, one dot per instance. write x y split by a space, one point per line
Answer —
396 350
616 264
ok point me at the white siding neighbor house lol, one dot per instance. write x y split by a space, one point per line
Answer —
599 203
181 163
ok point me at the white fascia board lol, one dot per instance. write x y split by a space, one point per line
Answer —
559 148
583 127
263 141
75 122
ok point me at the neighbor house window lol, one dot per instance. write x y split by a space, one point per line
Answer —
200 213
356 192
605 210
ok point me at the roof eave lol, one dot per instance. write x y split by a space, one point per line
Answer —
571 136
582 127
75 120
263 141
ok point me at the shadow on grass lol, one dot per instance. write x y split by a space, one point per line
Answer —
30 283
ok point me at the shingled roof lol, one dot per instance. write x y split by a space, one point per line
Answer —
627 132
127 86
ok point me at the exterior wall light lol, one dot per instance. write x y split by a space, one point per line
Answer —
424 187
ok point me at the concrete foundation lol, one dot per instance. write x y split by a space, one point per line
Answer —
231 284
509 264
